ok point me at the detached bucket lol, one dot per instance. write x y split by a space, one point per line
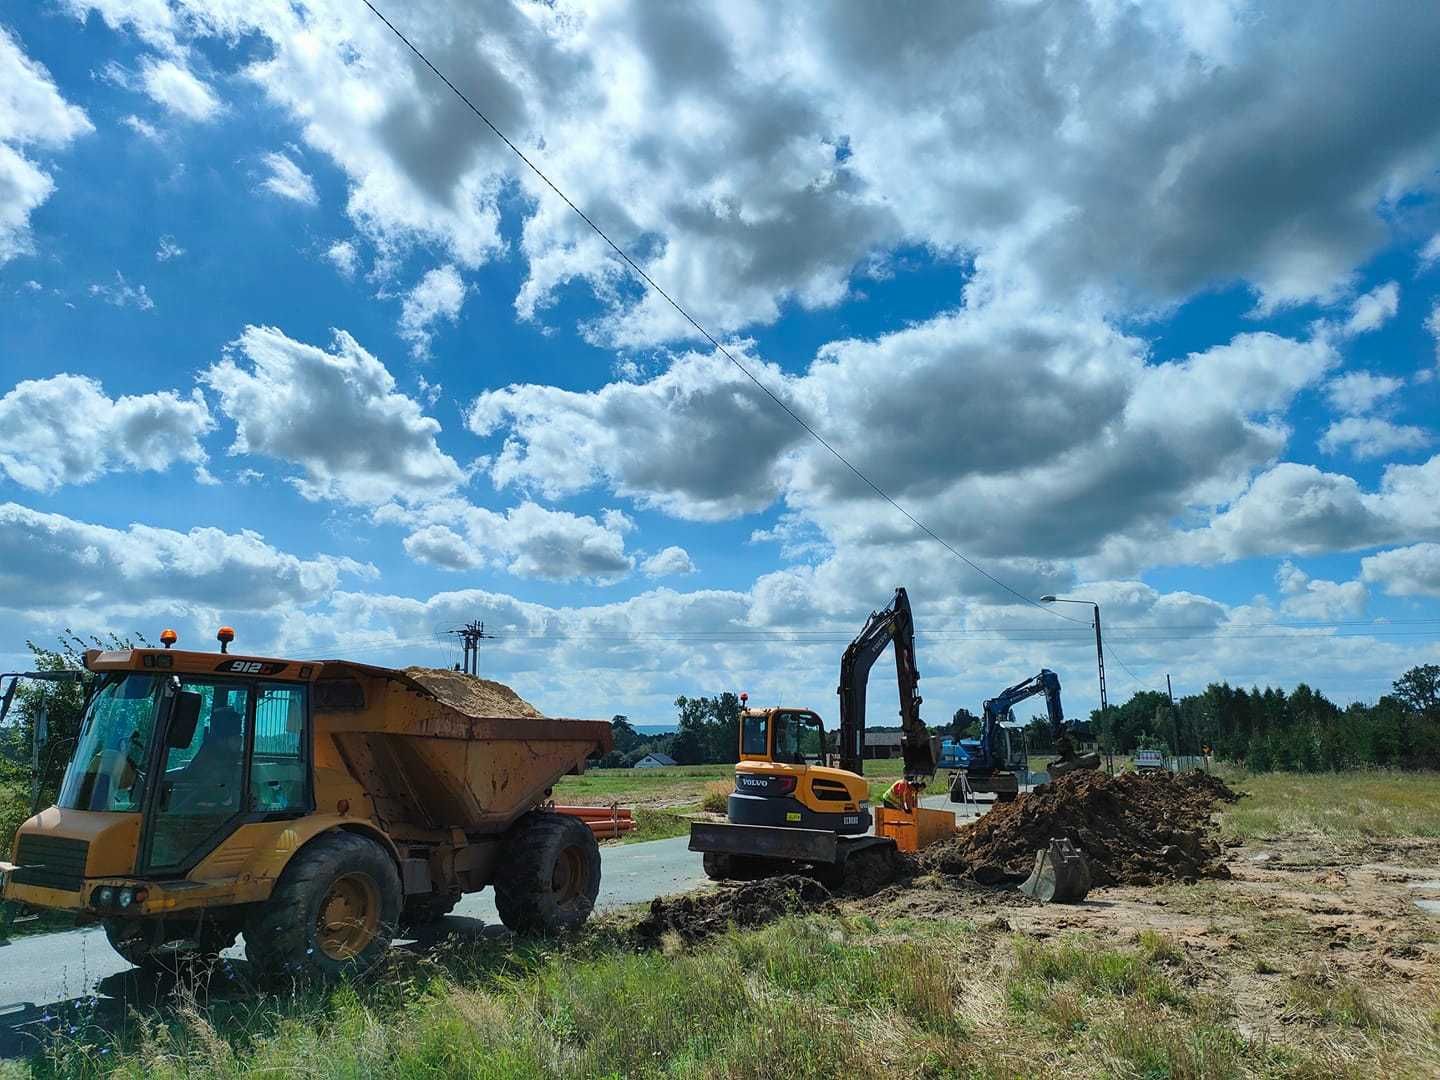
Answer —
1061 875
1075 764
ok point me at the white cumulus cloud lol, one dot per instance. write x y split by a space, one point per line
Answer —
1373 310
288 180
668 562
1407 571
121 293
528 540
50 562
32 115
335 413
176 89
437 296
1367 437
343 256
66 430
1358 392
1305 597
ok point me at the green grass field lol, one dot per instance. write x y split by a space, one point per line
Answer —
677 785
1345 806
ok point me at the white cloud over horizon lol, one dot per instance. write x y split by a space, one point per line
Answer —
33 115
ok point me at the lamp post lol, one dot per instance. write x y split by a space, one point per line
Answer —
1100 663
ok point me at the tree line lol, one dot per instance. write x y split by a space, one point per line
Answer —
1274 730
1270 729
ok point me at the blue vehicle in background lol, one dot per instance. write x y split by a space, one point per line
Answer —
991 763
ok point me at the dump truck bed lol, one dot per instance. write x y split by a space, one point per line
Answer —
425 763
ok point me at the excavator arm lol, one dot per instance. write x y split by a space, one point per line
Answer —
998 707
893 624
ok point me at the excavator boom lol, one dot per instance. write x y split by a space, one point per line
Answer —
892 624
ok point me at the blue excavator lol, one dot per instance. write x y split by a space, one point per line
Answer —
991 764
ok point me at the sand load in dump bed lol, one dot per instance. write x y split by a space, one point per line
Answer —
442 750
1133 829
473 695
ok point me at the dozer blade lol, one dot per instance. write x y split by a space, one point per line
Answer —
1061 875
1061 767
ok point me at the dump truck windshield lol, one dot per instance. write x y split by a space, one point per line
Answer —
108 769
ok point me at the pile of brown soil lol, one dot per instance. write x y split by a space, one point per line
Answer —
472 695
755 903
1135 830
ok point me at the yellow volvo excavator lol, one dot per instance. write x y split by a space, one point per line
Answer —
795 805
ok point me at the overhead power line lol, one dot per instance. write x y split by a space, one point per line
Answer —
649 281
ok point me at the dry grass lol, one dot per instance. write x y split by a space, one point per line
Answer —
716 799
1354 805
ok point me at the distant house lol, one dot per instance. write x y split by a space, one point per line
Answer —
882 744
653 761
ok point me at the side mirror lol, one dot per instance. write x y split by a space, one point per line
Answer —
183 718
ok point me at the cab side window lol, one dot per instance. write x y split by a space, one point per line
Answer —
752 736
279 766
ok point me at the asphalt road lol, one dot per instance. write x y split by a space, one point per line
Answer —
47 979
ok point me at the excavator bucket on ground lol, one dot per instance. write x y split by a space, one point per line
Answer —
1062 766
1061 875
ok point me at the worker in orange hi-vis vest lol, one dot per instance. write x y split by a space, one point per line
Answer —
904 794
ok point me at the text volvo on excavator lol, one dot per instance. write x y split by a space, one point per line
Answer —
793 803
991 766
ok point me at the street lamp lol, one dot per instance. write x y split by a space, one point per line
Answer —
1100 662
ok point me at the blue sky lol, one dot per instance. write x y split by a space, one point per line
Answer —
1156 325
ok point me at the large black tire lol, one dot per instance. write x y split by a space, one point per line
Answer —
718 865
136 940
155 945
422 911
333 912
549 874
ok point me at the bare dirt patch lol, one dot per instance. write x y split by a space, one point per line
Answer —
1134 829
1300 923
697 916
472 695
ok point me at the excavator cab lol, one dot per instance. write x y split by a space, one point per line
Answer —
783 777
782 736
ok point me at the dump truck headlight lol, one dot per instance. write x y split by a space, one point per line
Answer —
126 896
105 897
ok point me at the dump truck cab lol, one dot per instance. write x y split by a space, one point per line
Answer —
317 806
782 777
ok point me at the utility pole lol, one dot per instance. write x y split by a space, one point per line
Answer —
1100 663
1104 701
471 634
1174 716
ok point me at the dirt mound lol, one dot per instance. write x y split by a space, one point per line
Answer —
755 903
1135 830
472 695
1203 783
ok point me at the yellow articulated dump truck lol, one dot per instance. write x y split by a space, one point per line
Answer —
317 807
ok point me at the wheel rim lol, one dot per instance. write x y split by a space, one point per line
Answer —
349 917
568 877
